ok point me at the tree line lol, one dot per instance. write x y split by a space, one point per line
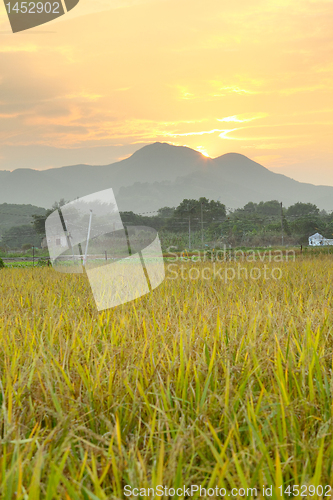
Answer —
204 221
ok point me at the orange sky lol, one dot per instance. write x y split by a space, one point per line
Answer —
248 76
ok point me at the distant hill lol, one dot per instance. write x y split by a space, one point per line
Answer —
163 175
17 215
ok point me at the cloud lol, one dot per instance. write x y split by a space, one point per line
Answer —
246 117
19 48
167 70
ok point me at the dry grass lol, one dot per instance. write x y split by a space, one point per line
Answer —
199 382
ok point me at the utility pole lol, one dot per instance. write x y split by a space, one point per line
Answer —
189 232
281 223
202 243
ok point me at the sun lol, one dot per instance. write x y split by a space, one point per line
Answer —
203 151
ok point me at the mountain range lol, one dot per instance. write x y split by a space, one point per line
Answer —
161 175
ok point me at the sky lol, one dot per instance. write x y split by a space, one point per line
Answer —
250 76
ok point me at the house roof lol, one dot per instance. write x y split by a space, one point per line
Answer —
316 236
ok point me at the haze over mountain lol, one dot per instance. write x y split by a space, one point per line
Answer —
161 175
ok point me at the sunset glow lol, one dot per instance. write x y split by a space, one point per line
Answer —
203 151
251 77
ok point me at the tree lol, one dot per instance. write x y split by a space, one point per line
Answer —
286 227
211 211
17 236
250 207
187 209
165 212
272 207
132 219
215 211
302 209
26 246
39 220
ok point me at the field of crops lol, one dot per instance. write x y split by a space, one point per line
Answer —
210 382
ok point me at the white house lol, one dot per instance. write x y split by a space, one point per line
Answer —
56 241
318 240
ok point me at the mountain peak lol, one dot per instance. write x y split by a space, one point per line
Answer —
161 149
233 156
237 162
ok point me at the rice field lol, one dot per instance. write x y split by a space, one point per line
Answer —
209 382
